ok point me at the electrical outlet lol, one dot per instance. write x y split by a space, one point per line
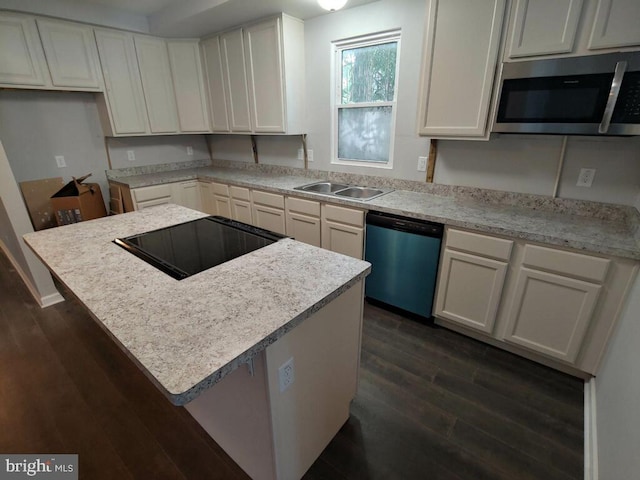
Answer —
585 179
60 161
422 164
131 155
309 154
189 150
286 375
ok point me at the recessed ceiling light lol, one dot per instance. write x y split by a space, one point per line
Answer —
332 5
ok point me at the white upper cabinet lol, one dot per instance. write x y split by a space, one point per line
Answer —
461 52
22 60
125 101
71 54
266 85
260 68
544 26
212 64
188 84
153 60
539 28
616 24
234 71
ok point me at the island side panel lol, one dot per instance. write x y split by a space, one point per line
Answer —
235 413
326 354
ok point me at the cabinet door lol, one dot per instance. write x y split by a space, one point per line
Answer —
153 61
235 81
616 24
241 211
187 194
269 218
21 56
206 198
71 54
304 228
341 238
212 58
222 205
459 66
263 46
542 27
188 83
122 79
550 313
469 289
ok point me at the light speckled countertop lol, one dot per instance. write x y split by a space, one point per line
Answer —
186 335
611 235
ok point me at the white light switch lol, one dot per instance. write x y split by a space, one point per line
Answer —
60 161
189 150
422 164
131 155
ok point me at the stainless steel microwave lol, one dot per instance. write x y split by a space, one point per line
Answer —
590 95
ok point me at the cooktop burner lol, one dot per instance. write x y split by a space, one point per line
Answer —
188 248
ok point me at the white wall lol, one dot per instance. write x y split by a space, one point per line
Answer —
15 222
82 11
37 125
618 397
156 150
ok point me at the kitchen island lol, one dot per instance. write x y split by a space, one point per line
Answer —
214 342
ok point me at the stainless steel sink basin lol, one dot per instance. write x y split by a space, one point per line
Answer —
363 193
323 187
342 190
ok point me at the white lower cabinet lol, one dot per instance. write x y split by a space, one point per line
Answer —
342 230
207 200
268 211
548 304
241 204
303 220
472 275
145 197
187 194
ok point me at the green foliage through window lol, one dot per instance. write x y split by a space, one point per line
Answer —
369 73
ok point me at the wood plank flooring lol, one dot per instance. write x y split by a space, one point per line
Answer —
432 404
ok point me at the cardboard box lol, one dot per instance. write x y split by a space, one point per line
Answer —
77 201
37 197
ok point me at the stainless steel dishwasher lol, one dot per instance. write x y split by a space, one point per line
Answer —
404 254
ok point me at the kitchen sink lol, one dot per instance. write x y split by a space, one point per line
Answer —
364 193
342 190
323 187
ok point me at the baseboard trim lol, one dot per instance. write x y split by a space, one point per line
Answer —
590 431
45 301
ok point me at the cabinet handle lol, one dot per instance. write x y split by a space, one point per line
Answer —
621 67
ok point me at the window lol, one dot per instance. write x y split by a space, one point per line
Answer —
366 69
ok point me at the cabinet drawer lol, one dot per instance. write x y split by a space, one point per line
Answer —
269 199
300 205
220 189
492 247
151 193
240 193
344 215
566 263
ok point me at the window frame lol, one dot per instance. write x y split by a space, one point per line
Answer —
336 94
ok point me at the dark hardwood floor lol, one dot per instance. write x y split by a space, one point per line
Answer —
432 404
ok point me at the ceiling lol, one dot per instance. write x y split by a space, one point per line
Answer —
196 18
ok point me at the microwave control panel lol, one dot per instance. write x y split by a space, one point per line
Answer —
628 105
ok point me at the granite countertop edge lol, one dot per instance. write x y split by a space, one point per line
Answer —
180 399
279 183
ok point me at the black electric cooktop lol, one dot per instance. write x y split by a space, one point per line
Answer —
188 248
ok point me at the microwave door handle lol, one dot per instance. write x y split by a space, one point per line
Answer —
621 67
